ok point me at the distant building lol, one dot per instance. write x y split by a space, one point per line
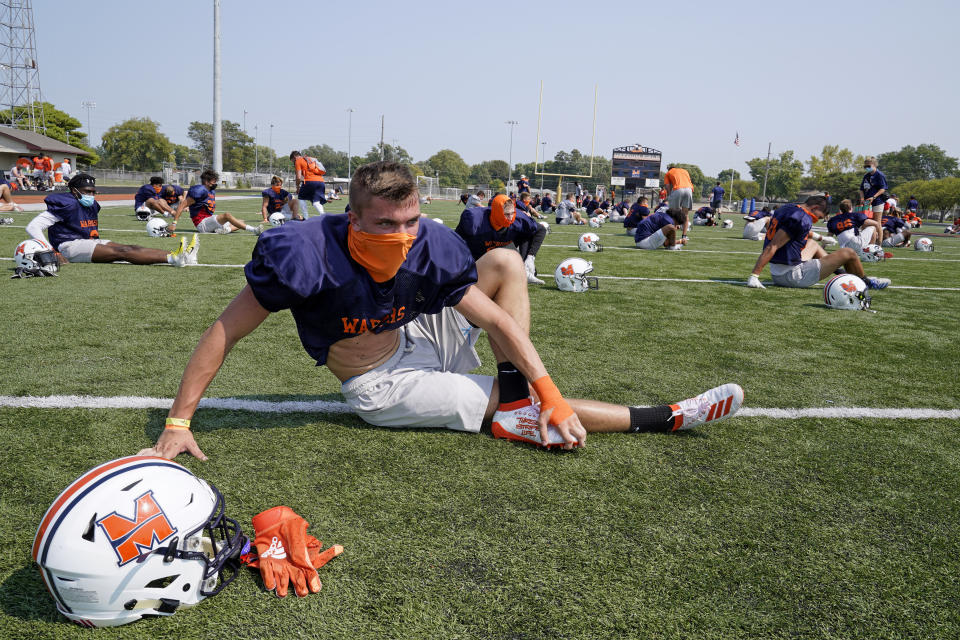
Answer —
19 142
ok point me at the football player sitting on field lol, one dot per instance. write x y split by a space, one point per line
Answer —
393 307
201 201
499 225
704 217
895 231
147 202
173 195
756 226
71 222
638 211
853 229
277 200
660 230
795 258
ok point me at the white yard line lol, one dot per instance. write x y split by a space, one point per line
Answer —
328 406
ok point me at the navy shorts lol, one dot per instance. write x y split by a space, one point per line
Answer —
312 192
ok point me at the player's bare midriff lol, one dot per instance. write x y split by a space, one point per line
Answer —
354 356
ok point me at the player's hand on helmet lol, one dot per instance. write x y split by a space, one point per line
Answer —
754 282
173 442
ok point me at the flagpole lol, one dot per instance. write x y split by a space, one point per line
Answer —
766 170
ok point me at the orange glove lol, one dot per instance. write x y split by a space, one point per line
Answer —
281 541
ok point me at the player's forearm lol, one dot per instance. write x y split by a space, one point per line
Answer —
204 364
764 258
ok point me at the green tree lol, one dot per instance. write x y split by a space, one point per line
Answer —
940 195
487 170
237 146
135 144
453 170
784 178
182 154
390 153
55 124
923 162
745 189
833 160
724 176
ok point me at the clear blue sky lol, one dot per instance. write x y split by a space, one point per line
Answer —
683 78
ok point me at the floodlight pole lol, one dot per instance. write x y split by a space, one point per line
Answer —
512 124
256 150
766 170
349 140
88 105
217 130
272 152
731 189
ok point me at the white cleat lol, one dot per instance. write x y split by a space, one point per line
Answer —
193 249
518 421
178 257
714 405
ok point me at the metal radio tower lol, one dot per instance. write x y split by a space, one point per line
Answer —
19 77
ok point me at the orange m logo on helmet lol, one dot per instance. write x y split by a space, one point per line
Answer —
849 287
567 270
131 537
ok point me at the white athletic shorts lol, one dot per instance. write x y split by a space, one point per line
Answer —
893 240
425 383
654 241
849 238
680 199
80 250
805 274
877 208
700 222
756 230
210 225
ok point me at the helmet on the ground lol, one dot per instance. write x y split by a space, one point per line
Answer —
572 275
36 254
277 219
923 244
872 253
157 228
846 291
595 223
728 224
134 537
590 242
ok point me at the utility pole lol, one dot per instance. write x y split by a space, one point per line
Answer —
245 112
217 128
349 135
88 105
731 189
512 124
256 149
766 169
272 152
381 138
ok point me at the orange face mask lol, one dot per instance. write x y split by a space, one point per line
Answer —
156 188
276 188
381 254
502 212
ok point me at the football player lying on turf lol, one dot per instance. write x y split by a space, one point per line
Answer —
895 231
853 229
201 200
393 307
71 221
499 225
795 259
660 230
704 217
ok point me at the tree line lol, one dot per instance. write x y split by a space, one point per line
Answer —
137 144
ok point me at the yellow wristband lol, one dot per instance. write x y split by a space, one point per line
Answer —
178 423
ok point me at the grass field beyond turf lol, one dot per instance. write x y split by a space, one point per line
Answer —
826 528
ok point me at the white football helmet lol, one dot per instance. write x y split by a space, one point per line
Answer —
595 223
571 275
728 224
872 253
134 537
36 254
590 242
846 291
157 228
923 244
277 219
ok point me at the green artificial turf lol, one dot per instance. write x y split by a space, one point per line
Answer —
755 527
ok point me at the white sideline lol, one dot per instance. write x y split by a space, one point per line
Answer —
327 406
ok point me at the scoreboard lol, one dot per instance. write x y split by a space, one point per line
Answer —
639 166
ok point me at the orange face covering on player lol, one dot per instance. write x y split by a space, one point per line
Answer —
276 188
381 254
502 212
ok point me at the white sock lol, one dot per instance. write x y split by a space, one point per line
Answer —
169 258
250 229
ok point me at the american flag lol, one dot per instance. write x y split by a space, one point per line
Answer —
736 140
